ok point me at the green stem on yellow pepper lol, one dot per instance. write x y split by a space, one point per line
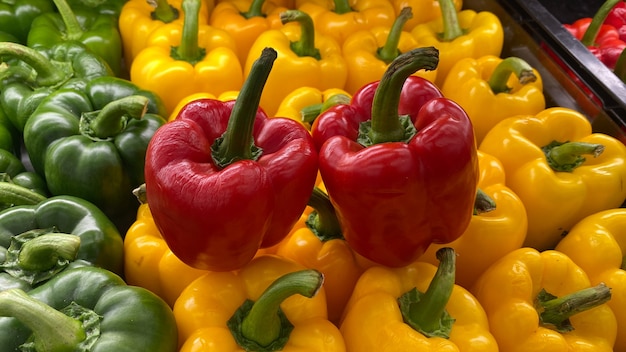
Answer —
163 11
189 50
555 312
255 9
390 50
47 73
483 203
323 220
43 252
342 6
589 38
112 118
261 325
450 17
565 157
237 142
73 29
311 112
504 70
305 46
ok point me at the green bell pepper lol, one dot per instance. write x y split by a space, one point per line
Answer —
92 144
86 309
99 32
14 173
16 17
35 74
10 138
107 7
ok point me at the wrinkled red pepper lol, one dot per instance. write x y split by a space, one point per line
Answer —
617 19
224 180
399 163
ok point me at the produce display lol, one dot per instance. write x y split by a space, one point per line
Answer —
312 175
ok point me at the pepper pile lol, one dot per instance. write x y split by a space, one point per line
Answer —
347 175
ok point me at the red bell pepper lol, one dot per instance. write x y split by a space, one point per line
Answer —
399 183
223 179
617 19
602 40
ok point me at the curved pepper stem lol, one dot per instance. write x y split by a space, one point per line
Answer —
555 312
112 119
483 203
163 11
237 142
73 30
43 252
390 51
261 325
589 38
386 125
47 73
451 26
189 50
323 220
565 157
504 70
342 6
52 330
255 9
12 195
426 312
306 45
311 112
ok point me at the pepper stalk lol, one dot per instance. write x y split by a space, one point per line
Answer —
450 18
305 46
511 65
47 73
323 221
73 29
589 38
112 119
163 11
565 157
390 51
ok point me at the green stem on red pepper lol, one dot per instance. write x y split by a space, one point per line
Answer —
73 29
450 17
589 38
386 125
189 50
43 252
504 70
426 312
323 220
47 73
261 325
311 112
305 46
555 312
12 195
483 203
565 157
390 50
255 9
112 118
163 11
237 142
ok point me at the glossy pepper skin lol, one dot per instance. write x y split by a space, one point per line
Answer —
191 57
432 170
202 312
16 17
305 58
617 19
259 177
99 241
91 144
558 185
108 7
496 228
229 95
508 291
596 244
13 171
125 316
99 32
382 314
490 89
37 73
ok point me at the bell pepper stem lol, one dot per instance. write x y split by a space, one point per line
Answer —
189 50
620 67
52 330
237 142
255 9
47 73
163 11
73 30
311 112
43 252
451 26
305 46
385 123
12 195
565 157
261 324
504 70
555 312
112 118
589 38
390 50
483 203
342 6
323 220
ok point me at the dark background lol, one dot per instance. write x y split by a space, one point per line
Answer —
568 11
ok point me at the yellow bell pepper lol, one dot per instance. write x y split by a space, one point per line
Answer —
245 20
225 96
369 52
340 18
491 89
424 10
138 18
184 58
597 244
304 58
543 301
492 232
458 35
304 104
207 307
561 171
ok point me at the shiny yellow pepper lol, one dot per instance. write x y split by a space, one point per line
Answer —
458 35
561 171
369 52
491 89
497 227
385 314
205 307
186 58
304 58
597 244
424 10
304 104
530 299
